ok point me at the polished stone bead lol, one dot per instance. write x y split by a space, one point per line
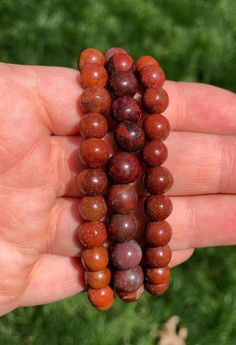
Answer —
157 275
156 257
94 152
157 289
152 76
144 61
119 62
90 55
92 234
113 51
158 233
129 280
93 74
125 108
123 167
158 207
156 126
155 100
129 136
158 180
92 208
95 99
122 198
126 255
101 298
123 84
122 227
98 279
93 125
92 181
131 296
154 153
95 259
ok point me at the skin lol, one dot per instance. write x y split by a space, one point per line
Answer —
39 249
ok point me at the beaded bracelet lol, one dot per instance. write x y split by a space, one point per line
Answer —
131 107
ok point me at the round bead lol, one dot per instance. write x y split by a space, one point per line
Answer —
129 136
131 296
152 76
94 152
123 227
113 51
126 255
156 126
119 62
108 306
93 74
158 234
90 55
92 208
123 167
154 153
157 289
130 280
101 297
125 108
158 256
155 100
98 279
145 60
92 181
123 84
95 259
93 125
157 275
122 198
95 99
92 234
158 207
158 180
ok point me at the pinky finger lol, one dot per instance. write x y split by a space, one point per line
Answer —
180 256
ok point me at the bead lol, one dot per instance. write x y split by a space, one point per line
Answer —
129 136
158 234
154 153
95 99
158 256
98 279
101 297
122 227
145 60
95 259
94 152
122 198
152 76
158 180
92 181
125 108
92 208
130 280
155 100
108 306
93 74
119 62
156 126
123 167
157 289
93 125
113 51
123 84
157 275
131 296
158 207
90 55
126 255
92 234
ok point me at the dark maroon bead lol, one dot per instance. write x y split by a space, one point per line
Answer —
119 62
123 84
125 108
122 198
155 100
158 233
129 136
158 180
157 289
158 207
123 167
156 126
154 153
123 227
158 256
130 280
126 255
152 76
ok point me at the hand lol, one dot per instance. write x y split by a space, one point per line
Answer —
39 142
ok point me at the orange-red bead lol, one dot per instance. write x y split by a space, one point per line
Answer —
157 289
101 298
98 279
119 62
158 233
152 76
157 275
158 207
95 99
122 198
90 55
95 259
94 152
158 256
92 234
92 181
93 125
158 180
131 296
156 126
145 60
93 74
155 100
92 208
154 153
113 51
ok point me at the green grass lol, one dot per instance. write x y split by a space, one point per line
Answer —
193 40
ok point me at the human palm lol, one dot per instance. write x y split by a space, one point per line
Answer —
39 115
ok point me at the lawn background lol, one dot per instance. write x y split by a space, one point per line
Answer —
194 41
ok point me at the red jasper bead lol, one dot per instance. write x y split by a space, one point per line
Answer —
126 255
123 227
95 99
157 289
101 298
122 198
158 180
131 296
158 207
98 279
93 74
152 76
123 84
157 275
119 62
113 51
123 167
95 259
158 233
154 153
156 126
92 234
94 152
144 61
130 280
92 208
155 100
125 108
93 125
92 181
90 55
129 136
158 256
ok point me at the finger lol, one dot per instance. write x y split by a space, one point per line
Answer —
180 256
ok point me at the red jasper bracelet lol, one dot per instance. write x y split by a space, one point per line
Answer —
126 99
